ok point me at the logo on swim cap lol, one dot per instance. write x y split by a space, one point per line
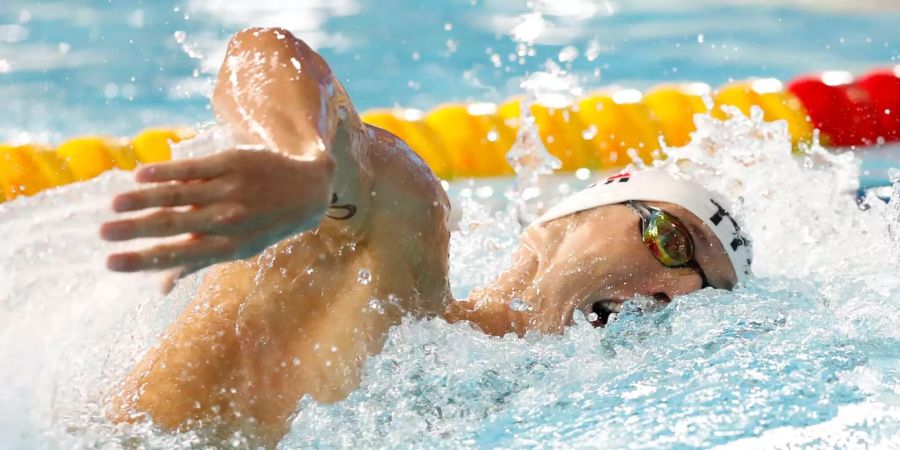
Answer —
621 178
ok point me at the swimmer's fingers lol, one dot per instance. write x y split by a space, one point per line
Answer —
190 169
196 252
220 218
177 194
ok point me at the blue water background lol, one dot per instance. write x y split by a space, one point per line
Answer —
811 346
115 67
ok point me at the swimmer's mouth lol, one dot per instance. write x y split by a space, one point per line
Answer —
606 311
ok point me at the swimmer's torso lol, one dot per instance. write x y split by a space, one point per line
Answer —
302 317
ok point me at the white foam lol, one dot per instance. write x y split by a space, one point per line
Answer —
778 354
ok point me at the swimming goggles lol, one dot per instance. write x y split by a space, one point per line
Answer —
664 235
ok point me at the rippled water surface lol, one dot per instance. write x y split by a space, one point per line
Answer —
71 67
806 354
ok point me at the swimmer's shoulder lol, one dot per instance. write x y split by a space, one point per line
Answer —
405 185
411 224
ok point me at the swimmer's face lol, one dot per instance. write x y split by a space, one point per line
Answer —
595 260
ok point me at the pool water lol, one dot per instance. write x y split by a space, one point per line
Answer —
805 355
70 67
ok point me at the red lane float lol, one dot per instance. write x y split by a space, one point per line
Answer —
848 112
883 88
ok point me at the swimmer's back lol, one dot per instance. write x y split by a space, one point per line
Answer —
302 317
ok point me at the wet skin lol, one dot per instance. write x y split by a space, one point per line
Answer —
334 199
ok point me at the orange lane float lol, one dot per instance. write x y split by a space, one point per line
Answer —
603 130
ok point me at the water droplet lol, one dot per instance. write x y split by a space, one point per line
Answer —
530 26
519 305
295 361
568 54
375 305
364 277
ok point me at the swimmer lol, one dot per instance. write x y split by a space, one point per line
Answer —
355 231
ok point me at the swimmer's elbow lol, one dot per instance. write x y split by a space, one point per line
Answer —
264 38
286 49
281 92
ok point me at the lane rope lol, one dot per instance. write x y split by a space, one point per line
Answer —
601 130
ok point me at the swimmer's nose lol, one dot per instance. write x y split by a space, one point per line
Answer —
681 284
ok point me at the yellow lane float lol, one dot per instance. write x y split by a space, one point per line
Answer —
603 130
775 102
29 169
673 107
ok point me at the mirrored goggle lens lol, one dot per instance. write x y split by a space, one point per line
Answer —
668 240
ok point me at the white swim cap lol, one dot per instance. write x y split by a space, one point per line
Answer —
654 185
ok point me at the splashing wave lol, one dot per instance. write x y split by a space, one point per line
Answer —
806 354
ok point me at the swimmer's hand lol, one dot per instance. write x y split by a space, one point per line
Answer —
227 206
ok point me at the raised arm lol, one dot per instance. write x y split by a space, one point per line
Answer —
275 92
280 93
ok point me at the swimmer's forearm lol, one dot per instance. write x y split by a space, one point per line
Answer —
489 308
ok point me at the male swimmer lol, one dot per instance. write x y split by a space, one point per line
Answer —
352 214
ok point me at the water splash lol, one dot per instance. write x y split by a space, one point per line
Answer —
483 244
892 213
529 158
805 348
811 345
